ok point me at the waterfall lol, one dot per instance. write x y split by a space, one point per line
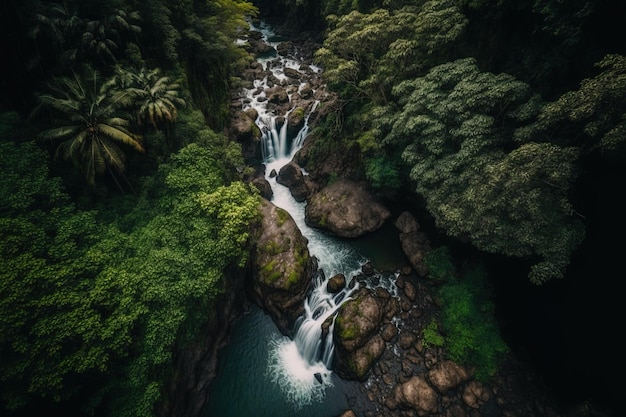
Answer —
301 366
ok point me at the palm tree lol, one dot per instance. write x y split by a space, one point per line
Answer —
94 135
55 29
154 97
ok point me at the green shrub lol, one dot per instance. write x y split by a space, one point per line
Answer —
440 267
431 335
472 334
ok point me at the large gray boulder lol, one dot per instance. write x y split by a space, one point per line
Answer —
291 176
358 344
282 267
345 208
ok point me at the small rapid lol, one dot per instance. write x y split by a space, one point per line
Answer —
266 373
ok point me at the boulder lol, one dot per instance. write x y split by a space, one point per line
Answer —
277 95
346 209
295 123
417 395
476 394
415 243
264 187
357 342
243 127
282 267
336 283
244 130
290 175
447 375
293 73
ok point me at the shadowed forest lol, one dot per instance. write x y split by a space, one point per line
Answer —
125 208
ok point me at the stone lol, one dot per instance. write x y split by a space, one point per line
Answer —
264 187
346 209
389 332
475 394
282 267
336 283
417 395
290 175
406 223
446 375
357 344
410 291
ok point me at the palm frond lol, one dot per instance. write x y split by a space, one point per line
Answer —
113 154
59 133
120 136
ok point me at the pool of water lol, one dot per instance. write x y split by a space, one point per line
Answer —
246 383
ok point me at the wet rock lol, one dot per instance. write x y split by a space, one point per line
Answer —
406 223
417 395
318 377
277 95
415 244
243 128
295 122
306 91
475 394
291 176
410 291
368 269
282 267
293 73
346 209
447 375
363 358
336 283
407 339
357 344
264 187
389 332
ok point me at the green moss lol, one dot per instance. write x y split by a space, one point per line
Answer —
274 248
268 273
298 112
256 132
431 335
282 215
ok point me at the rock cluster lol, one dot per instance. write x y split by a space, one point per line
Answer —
282 269
379 341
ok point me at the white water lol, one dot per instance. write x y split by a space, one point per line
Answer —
296 364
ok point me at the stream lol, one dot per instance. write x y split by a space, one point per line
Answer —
262 372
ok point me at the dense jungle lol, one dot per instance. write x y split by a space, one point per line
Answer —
127 209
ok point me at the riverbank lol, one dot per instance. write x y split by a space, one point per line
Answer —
406 367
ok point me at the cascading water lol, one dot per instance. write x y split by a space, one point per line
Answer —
298 368
301 366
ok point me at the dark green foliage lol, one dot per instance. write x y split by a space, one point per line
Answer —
440 267
108 298
470 330
89 129
592 117
455 130
54 319
383 171
366 54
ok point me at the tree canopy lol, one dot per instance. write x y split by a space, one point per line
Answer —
455 129
84 298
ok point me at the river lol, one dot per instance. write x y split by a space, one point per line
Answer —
262 372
